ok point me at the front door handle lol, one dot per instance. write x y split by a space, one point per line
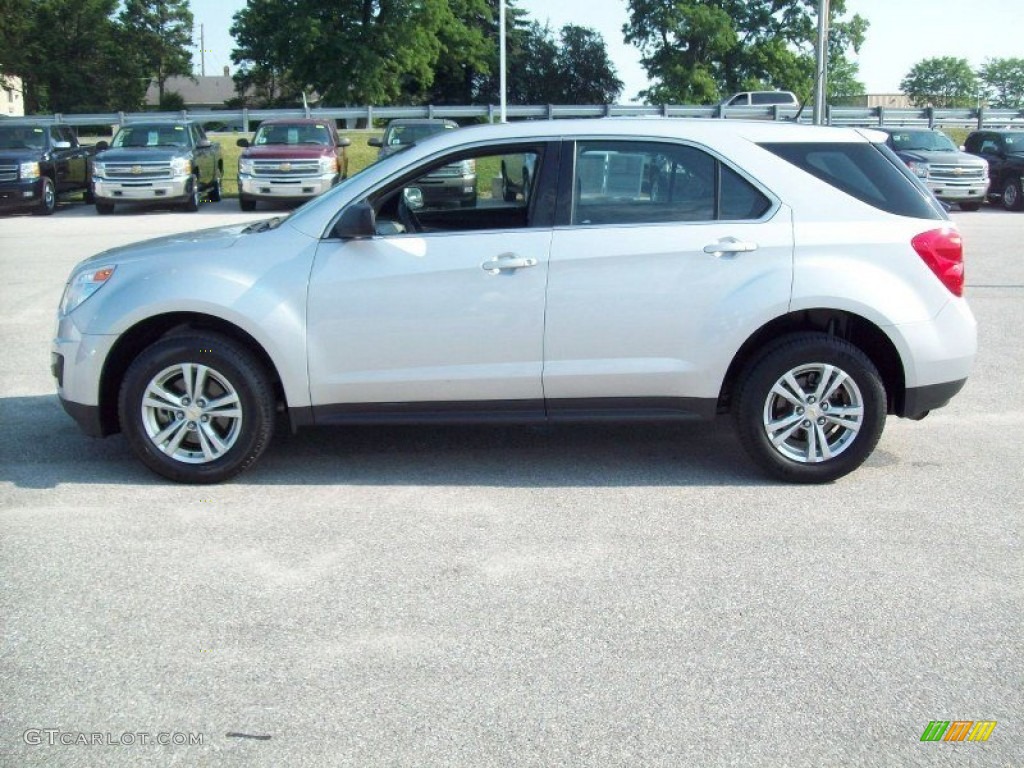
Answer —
729 245
507 261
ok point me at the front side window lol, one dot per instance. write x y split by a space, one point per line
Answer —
620 182
487 189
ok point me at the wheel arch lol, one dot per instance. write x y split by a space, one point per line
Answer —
857 330
143 334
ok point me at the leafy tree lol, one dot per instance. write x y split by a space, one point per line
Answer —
941 82
697 51
159 34
348 51
468 53
1004 81
14 29
586 74
75 59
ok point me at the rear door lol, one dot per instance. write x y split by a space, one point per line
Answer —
668 260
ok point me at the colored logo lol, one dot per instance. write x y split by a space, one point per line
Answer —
958 730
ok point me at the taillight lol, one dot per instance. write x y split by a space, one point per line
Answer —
943 251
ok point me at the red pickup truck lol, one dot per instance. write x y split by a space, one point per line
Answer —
290 160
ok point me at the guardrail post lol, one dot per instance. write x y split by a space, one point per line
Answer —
720 111
430 111
245 119
58 118
490 114
930 112
607 110
120 118
881 115
828 114
776 112
369 117
551 111
664 110
981 117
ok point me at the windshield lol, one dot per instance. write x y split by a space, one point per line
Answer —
22 137
151 136
925 141
399 135
293 134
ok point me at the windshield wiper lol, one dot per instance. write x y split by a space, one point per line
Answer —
263 226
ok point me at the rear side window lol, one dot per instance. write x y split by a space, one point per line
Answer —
871 173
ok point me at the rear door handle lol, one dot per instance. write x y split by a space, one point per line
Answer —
729 245
507 261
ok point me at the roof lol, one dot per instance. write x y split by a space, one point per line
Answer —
211 90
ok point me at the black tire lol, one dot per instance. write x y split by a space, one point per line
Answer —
246 204
214 194
970 207
48 198
104 209
1013 196
192 204
244 432
805 357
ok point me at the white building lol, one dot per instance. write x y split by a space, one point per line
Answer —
12 99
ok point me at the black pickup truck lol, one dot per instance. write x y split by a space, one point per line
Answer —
1004 150
157 163
38 162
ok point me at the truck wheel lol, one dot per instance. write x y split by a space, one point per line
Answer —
197 408
246 204
1013 200
48 199
104 209
214 193
192 204
810 409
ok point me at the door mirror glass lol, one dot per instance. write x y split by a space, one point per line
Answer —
357 222
413 197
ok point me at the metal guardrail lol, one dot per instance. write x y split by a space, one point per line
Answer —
844 116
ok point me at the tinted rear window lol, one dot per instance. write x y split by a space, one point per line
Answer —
869 172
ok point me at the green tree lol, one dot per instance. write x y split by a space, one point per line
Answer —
697 51
1004 82
75 59
943 81
14 28
467 55
347 51
585 72
159 34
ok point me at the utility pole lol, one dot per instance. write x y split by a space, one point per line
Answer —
821 65
202 50
503 63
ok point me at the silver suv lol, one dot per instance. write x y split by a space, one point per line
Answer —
798 278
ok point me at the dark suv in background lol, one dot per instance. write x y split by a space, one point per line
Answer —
1004 151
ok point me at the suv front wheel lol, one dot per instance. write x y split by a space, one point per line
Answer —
1013 199
197 408
810 408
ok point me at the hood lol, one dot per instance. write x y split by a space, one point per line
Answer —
20 155
287 151
944 158
178 246
141 154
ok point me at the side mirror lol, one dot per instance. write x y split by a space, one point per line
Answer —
413 197
242 143
344 141
204 144
357 222
62 145
376 141
101 145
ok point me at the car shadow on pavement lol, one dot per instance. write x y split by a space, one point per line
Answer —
41 447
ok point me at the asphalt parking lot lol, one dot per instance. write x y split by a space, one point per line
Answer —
591 596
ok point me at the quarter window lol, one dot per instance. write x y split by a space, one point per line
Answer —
650 183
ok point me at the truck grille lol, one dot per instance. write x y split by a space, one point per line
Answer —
8 173
956 172
138 171
279 168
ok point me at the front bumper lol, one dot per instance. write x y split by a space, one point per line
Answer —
23 193
284 188
176 189
952 192
439 190
76 362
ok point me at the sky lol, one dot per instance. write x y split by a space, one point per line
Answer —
901 33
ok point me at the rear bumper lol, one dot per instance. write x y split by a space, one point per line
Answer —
918 401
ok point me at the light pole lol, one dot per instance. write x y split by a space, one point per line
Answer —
821 65
501 55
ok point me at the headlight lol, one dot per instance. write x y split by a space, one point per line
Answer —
918 168
245 166
181 166
82 285
99 169
328 164
28 170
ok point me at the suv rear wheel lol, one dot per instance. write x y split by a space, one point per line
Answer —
1013 200
810 409
197 409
